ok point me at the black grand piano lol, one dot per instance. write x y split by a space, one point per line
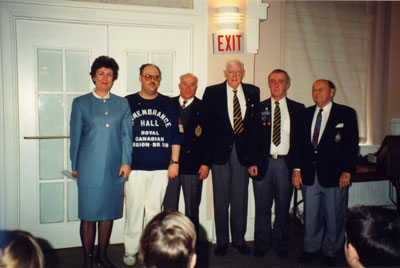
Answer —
388 165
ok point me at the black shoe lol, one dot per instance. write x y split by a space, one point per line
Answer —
307 257
259 253
243 249
328 261
282 253
221 250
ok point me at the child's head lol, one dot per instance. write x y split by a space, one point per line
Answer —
373 236
18 249
168 240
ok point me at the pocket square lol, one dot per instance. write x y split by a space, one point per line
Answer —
339 125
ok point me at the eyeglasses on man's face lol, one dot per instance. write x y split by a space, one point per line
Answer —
149 77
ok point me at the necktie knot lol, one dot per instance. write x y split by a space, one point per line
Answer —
184 104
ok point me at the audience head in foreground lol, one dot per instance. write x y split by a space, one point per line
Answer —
18 249
373 236
168 240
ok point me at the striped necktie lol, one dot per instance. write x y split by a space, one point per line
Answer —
317 128
237 115
276 131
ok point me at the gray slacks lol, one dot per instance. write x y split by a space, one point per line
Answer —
192 188
275 186
230 187
324 212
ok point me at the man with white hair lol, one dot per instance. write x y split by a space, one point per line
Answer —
231 106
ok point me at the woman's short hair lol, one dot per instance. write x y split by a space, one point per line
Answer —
107 62
18 249
168 240
375 233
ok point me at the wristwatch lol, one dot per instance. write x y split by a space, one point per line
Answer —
173 162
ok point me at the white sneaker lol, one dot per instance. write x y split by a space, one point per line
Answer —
129 259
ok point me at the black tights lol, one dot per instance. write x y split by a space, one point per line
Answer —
88 233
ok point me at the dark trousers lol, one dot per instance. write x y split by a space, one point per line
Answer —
192 188
275 186
230 187
324 211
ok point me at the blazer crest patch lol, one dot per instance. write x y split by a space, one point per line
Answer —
198 130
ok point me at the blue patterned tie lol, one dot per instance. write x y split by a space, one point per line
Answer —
317 129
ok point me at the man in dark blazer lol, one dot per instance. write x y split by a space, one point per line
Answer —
194 156
231 106
270 158
325 161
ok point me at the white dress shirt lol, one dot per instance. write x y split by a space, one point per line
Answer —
229 99
283 147
325 115
189 101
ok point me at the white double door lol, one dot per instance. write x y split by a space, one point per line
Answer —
54 62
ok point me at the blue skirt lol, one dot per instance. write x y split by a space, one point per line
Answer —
100 203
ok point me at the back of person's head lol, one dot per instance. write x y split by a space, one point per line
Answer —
18 249
168 240
374 233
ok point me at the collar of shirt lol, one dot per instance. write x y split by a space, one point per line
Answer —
325 115
97 96
229 99
282 103
189 101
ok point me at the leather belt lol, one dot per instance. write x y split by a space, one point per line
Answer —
276 156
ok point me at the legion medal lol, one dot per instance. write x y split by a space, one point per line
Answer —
180 125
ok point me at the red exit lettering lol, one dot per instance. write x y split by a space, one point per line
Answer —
229 43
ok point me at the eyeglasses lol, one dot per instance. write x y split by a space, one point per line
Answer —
232 73
149 77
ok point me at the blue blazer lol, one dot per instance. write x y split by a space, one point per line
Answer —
337 150
101 139
221 131
260 137
195 148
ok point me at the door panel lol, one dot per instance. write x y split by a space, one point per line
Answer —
53 68
169 49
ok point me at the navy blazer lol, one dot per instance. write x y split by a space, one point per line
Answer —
195 148
260 141
222 134
337 150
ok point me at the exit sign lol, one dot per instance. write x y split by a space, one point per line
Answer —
228 43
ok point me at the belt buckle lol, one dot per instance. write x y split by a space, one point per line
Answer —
274 156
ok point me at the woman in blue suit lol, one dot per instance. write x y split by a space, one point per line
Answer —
101 155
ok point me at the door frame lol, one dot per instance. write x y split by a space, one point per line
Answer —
194 20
